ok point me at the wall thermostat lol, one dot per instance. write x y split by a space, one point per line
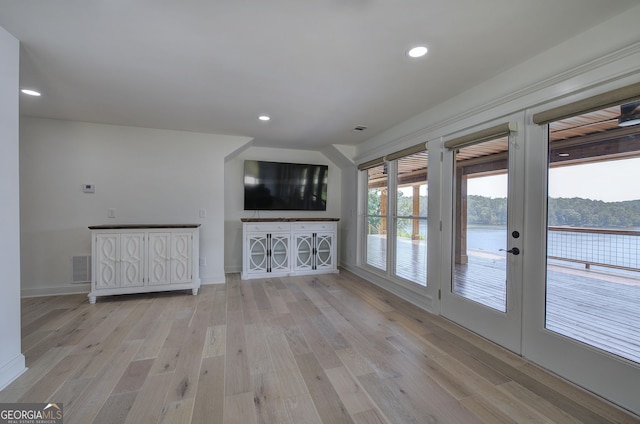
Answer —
88 188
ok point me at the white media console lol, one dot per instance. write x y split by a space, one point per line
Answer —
288 246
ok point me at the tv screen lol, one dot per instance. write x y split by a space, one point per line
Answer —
279 186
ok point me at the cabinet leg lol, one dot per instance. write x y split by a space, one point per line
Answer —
92 299
195 291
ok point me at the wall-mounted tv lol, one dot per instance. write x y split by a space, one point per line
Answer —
278 186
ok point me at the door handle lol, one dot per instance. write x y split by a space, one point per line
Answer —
514 251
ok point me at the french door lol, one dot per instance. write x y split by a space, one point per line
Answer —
583 270
483 177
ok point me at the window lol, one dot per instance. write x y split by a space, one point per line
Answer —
480 217
411 218
376 218
396 205
593 237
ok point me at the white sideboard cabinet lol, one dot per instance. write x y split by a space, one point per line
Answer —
144 258
288 246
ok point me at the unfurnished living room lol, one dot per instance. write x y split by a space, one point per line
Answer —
347 211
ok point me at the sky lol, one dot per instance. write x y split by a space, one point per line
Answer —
611 181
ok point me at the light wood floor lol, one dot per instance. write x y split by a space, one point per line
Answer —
304 350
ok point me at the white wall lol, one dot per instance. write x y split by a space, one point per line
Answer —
349 222
234 196
147 175
12 361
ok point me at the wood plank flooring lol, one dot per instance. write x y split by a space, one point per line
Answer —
598 306
303 350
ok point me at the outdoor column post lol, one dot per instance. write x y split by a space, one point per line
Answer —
383 211
461 217
415 233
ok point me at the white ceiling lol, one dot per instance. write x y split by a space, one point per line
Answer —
319 68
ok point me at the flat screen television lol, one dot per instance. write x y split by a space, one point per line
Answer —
278 186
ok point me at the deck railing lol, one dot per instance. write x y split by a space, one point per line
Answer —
618 249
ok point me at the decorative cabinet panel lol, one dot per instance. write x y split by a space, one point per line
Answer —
107 253
120 260
267 253
170 258
136 259
277 248
315 251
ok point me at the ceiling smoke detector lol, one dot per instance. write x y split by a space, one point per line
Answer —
359 128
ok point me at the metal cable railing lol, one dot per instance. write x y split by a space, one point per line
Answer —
599 247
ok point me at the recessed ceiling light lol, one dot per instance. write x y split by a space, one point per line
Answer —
417 51
264 118
30 92
563 155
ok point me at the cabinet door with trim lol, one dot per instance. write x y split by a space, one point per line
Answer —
279 252
132 259
304 245
106 263
181 257
159 258
257 253
325 250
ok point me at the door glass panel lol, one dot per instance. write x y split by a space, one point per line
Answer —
258 253
376 220
279 252
411 218
593 230
304 251
480 217
324 243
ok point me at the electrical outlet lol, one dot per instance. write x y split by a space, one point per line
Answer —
203 261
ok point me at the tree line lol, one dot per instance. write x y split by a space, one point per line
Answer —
574 212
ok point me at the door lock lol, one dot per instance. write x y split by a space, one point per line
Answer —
514 251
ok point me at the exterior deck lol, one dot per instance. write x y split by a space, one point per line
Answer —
596 306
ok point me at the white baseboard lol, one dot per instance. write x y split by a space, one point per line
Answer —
233 269
12 370
86 288
421 301
213 279
55 291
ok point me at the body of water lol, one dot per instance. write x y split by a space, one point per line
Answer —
610 249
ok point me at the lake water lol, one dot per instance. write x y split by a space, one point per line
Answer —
489 238
618 250
610 249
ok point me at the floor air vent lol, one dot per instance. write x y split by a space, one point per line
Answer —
81 269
